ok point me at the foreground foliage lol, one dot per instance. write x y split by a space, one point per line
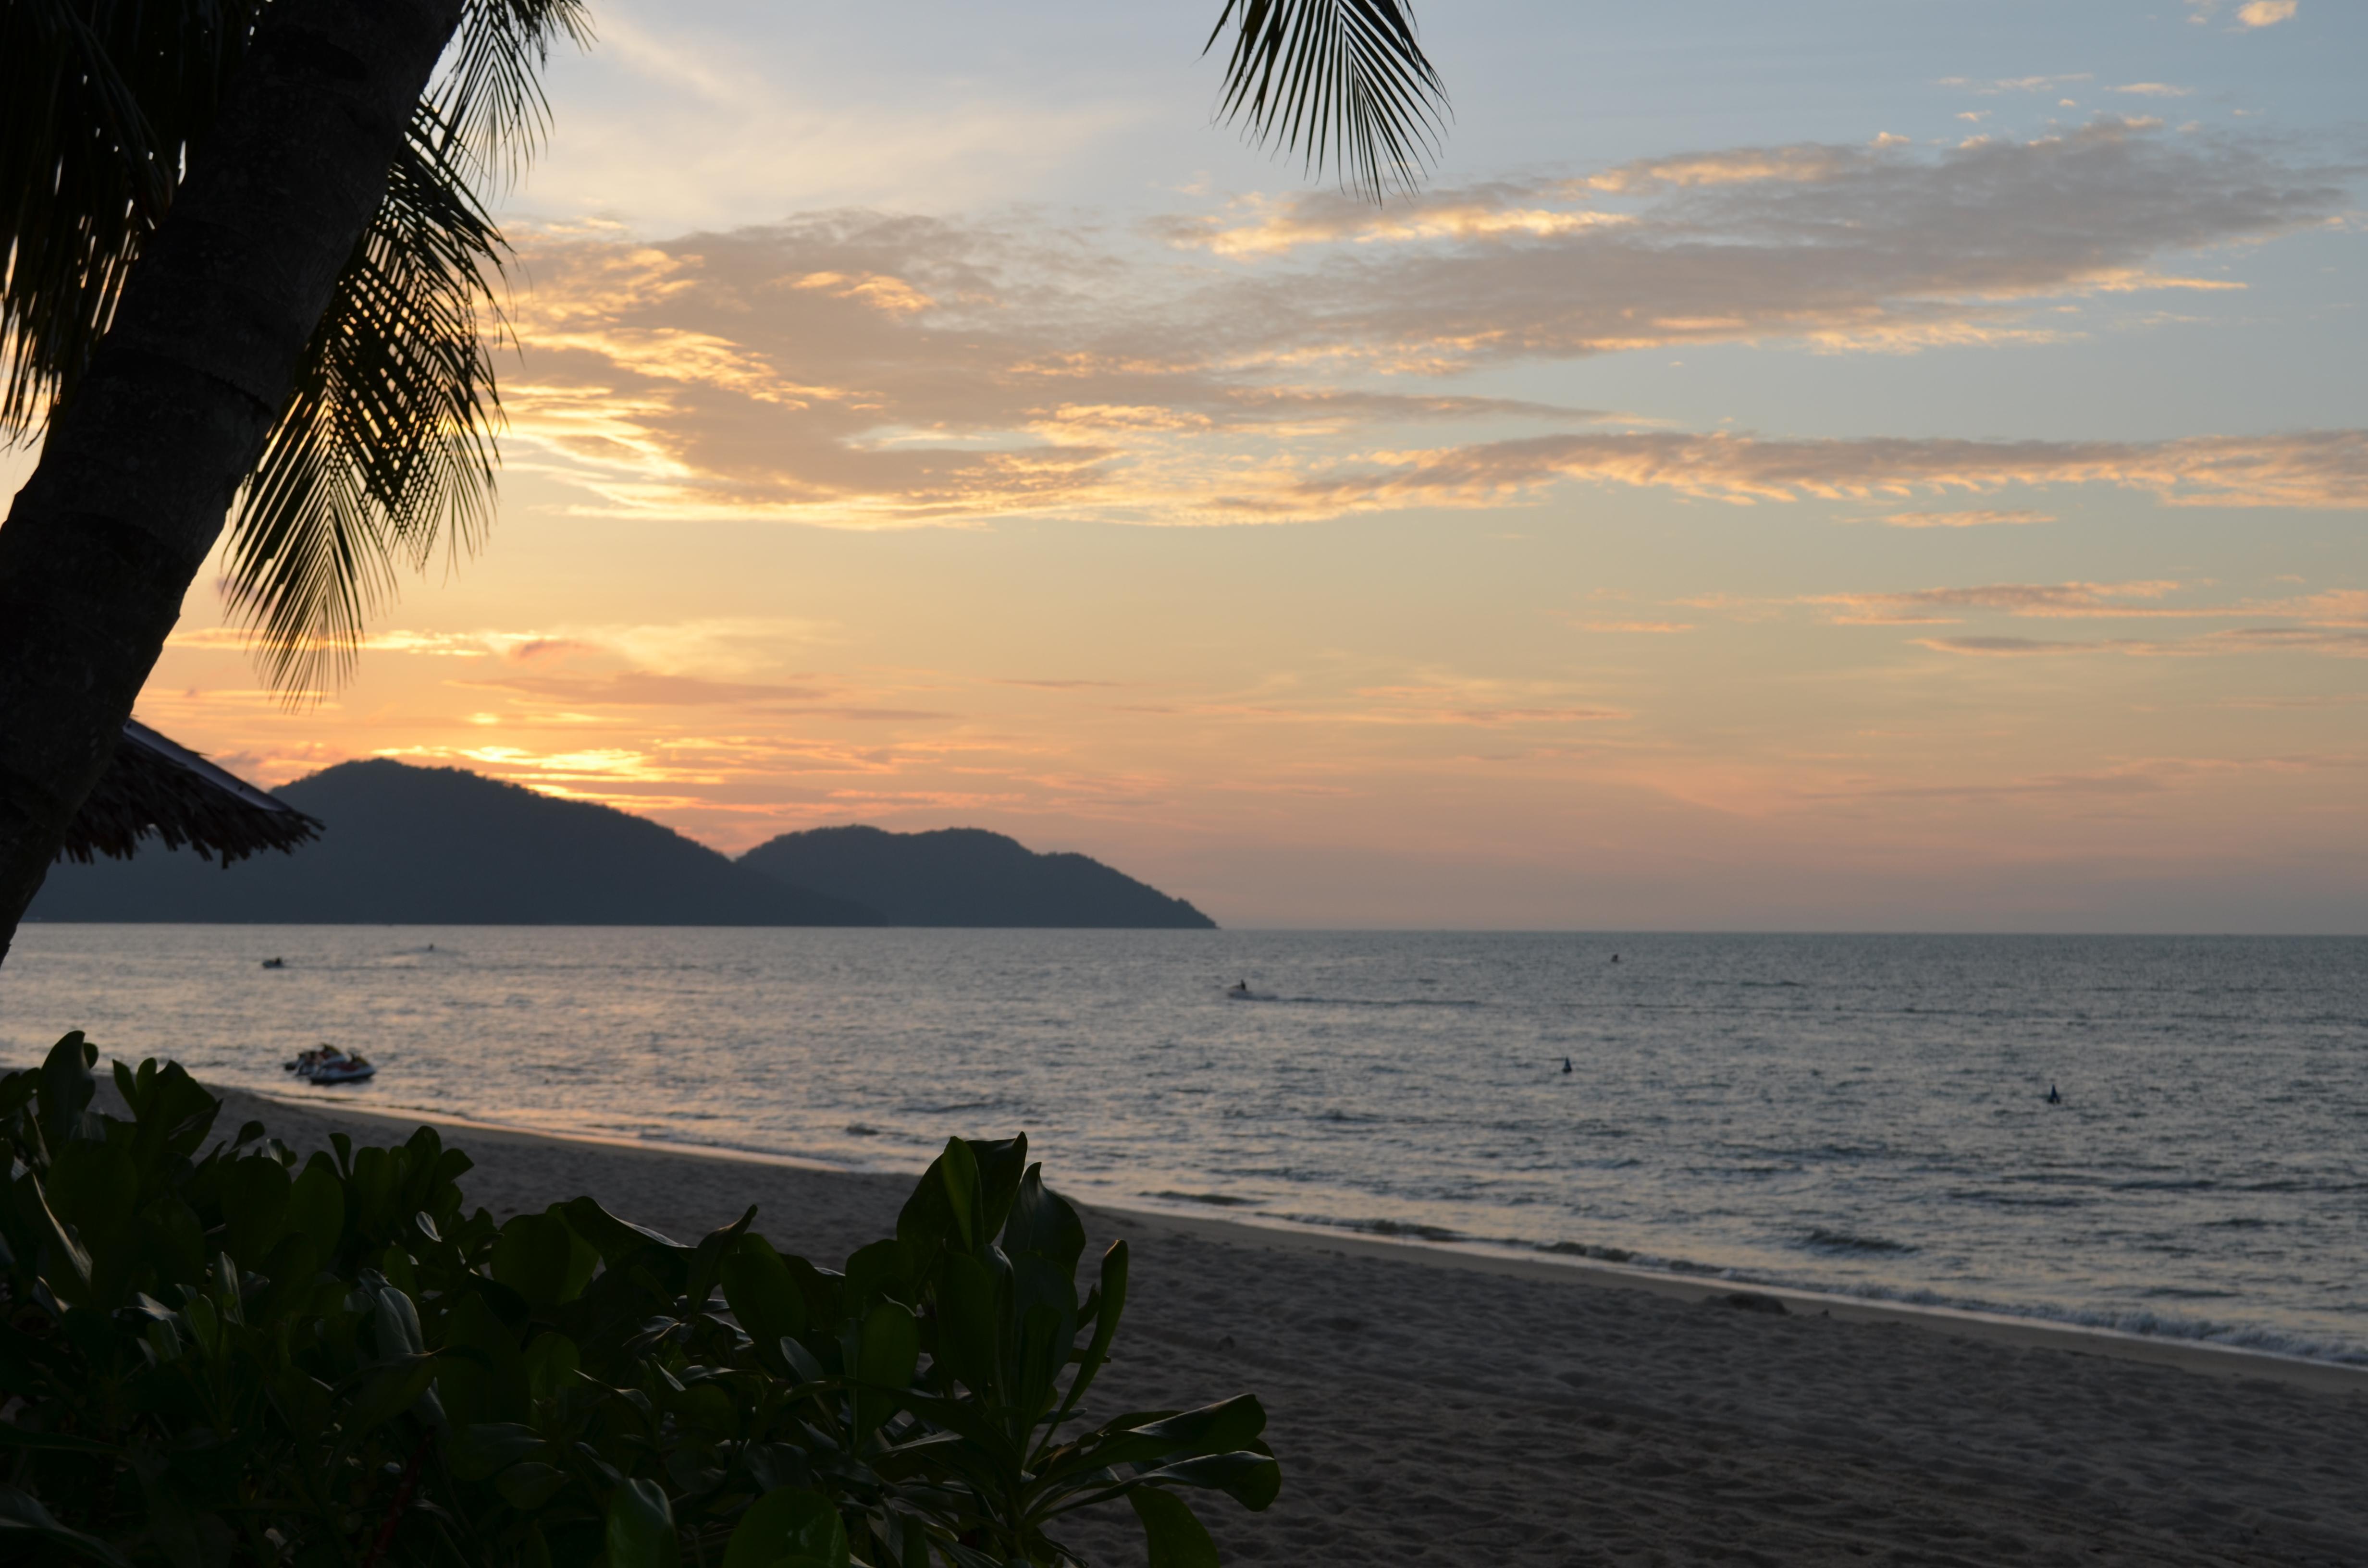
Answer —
230 1356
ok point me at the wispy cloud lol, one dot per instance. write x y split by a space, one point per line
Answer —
2019 83
863 370
2057 600
2235 640
2319 469
1972 518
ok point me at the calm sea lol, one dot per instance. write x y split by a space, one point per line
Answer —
1865 1114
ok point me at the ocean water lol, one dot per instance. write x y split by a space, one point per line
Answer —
1860 1113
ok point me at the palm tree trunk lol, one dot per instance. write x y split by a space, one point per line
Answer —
139 468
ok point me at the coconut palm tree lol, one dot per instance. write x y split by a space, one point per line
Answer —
251 279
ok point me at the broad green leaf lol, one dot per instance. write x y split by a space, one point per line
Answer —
67 1267
316 1204
641 1526
874 1271
1250 1477
792 1523
1213 1429
616 1240
528 1485
707 1257
22 1516
255 1202
391 1391
67 1086
396 1324
890 1351
94 1186
291 1268
173 1111
957 1174
1000 1163
1044 1225
176 1240
533 1256
967 1338
492 1389
371 1193
1109 1306
550 1362
1172 1532
480 1448
757 1287
1044 1306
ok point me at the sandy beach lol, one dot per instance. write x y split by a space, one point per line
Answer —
1436 1407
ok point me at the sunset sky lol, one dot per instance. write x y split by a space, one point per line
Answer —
1864 466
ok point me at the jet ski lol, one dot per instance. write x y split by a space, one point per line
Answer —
328 1064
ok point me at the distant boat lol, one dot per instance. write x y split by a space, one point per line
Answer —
275 964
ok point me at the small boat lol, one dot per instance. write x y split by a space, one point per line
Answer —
275 964
328 1064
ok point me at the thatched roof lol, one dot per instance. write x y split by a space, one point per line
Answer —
156 787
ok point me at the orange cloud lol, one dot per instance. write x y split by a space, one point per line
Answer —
861 370
2327 469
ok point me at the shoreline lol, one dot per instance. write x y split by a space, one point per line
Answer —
2200 1355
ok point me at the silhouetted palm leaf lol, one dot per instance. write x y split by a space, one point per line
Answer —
386 447
1344 82
98 103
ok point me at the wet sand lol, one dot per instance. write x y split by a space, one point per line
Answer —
1440 1408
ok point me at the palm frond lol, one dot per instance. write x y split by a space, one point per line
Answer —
1342 82
387 450
99 100
489 93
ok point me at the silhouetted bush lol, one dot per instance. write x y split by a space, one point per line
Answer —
226 1357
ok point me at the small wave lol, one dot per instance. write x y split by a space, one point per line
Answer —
2016 1200
1222 1200
1374 1001
1394 1228
1843 1242
2140 1321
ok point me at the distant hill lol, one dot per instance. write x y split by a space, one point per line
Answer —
443 847
966 876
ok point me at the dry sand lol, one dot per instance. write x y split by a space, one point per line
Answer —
1432 1408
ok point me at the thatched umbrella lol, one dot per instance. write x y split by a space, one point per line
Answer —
156 787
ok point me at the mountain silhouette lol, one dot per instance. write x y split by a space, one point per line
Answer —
966 876
410 846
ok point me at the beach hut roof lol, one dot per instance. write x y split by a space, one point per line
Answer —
156 787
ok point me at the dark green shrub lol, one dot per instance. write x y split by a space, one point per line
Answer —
226 1357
